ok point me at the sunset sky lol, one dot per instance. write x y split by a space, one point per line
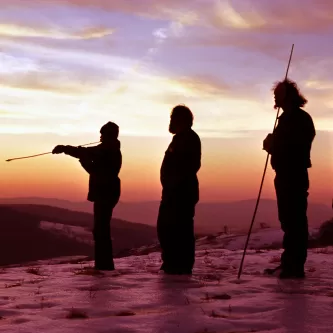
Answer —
67 67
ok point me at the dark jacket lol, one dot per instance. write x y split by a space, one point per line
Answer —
292 141
103 163
180 165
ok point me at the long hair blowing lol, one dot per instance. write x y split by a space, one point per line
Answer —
292 92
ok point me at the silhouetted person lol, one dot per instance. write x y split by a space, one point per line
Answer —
180 194
103 163
290 146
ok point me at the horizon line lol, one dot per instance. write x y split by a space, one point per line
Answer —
148 201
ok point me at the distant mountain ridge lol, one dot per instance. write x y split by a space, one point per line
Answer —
210 216
22 239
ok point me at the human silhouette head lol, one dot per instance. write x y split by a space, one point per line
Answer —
181 119
287 95
109 132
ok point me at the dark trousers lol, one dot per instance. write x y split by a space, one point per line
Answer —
103 244
292 193
175 230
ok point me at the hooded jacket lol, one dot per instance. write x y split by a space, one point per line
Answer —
103 163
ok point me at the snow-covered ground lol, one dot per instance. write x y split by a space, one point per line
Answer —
266 238
67 298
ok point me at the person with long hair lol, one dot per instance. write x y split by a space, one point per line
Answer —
290 148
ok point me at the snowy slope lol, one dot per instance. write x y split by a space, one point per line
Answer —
67 298
262 239
270 238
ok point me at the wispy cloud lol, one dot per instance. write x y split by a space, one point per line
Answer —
14 115
219 57
46 82
13 30
285 15
272 17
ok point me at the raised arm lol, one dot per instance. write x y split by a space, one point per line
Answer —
102 159
86 153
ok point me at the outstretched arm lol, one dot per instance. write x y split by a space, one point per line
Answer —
94 159
86 153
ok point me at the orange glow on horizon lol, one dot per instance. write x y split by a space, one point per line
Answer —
231 170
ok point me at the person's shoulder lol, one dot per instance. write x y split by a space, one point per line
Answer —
305 116
111 146
91 148
189 137
186 139
193 140
194 136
